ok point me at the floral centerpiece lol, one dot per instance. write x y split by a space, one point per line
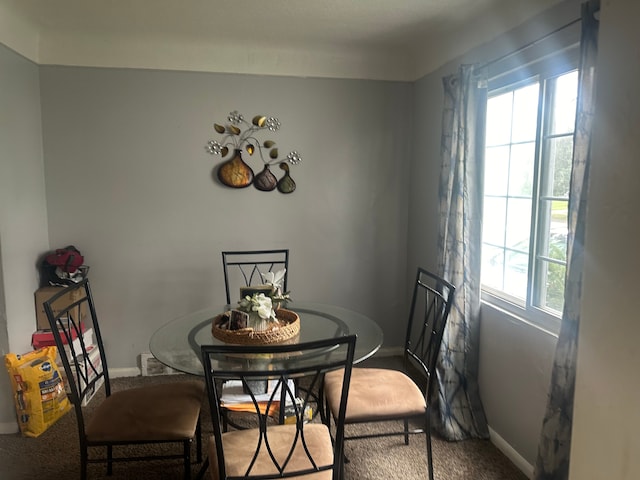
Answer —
241 136
259 317
262 307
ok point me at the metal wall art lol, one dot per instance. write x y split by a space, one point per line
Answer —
240 137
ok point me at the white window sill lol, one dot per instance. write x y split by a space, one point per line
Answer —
538 320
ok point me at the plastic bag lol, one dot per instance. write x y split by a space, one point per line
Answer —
38 390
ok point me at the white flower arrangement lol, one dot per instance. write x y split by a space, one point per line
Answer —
275 280
259 304
263 305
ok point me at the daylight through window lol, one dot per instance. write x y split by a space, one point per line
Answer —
528 154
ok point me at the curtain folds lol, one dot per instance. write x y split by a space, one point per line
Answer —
555 438
458 413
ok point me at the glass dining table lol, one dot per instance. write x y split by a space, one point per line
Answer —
177 343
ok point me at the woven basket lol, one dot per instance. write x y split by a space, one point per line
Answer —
286 331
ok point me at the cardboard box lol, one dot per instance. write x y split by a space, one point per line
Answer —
45 293
82 363
44 338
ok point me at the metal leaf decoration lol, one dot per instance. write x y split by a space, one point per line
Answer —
238 135
259 121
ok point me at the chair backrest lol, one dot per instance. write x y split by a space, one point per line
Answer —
430 307
282 368
72 318
245 268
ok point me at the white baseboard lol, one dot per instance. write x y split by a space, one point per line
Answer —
124 372
511 453
9 427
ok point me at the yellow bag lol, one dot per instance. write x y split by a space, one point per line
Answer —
38 390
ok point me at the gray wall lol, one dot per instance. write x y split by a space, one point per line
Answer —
606 416
129 183
23 220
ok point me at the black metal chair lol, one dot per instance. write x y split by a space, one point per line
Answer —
245 268
272 449
383 395
155 414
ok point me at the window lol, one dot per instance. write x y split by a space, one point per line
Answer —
528 154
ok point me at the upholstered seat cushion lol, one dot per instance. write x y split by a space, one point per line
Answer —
157 412
375 393
240 446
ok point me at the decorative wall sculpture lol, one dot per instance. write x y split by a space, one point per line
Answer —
239 136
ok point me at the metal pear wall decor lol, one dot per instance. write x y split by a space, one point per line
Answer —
240 136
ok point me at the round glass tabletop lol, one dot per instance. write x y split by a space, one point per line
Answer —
177 344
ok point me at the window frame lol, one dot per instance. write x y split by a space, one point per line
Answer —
502 79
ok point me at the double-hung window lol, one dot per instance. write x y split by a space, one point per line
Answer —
528 156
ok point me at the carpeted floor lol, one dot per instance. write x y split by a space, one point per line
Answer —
55 454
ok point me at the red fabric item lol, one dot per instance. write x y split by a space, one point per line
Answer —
67 259
44 338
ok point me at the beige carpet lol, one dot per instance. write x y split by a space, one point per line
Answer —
55 455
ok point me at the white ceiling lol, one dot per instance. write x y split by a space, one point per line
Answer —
385 39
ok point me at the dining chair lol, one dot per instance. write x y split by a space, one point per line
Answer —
297 447
155 414
385 395
245 268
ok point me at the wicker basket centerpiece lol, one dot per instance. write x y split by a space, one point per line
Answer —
258 318
285 328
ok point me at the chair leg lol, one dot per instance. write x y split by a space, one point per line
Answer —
199 441
406 431
322 405
327 411
109 459
225 423
83 462
428 439
326 415
187 459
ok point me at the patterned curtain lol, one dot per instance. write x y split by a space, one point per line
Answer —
458 413
555 438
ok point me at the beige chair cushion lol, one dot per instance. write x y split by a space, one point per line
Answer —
157 412
375 393
240 446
